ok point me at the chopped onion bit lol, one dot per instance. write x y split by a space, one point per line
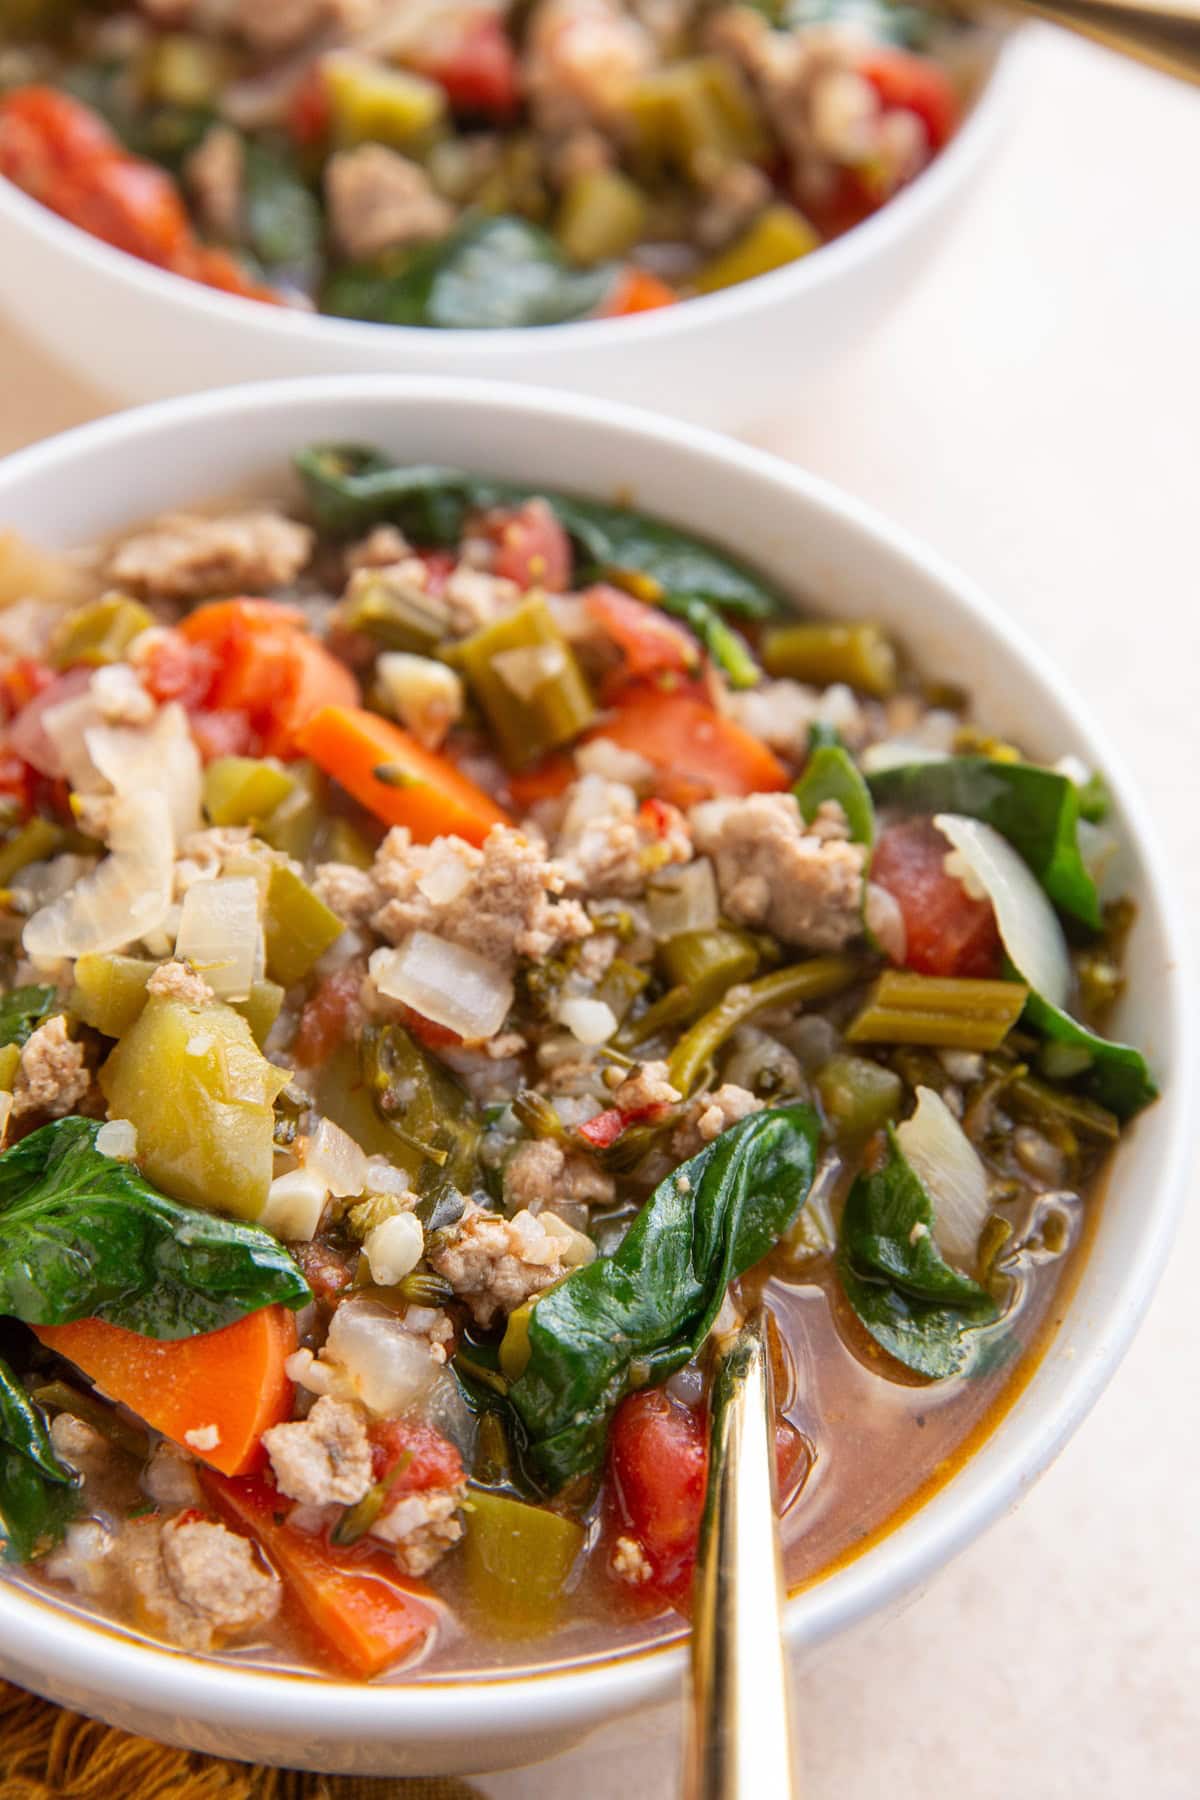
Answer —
394 1248
118 1139
125 896
295 1203
589 1021
446 983
218 933
948 1166
1027 922
332 1155
683 899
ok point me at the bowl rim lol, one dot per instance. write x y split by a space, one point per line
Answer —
915 204
44 1636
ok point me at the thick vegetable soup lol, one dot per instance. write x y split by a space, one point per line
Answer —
460 948
474 163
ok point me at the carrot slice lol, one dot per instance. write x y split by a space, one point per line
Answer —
419 789
231 1381
268 667
351 1601
635 291
698 752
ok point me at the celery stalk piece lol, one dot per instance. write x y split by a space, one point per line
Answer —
298 927
859 655
242 790
930 1009
525 677
857 1095
100 632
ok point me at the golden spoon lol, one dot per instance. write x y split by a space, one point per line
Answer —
1163 33
739 1739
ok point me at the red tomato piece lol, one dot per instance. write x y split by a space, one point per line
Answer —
28 737
532 548
917 85
268 668
947 932
227 733
309 112
432 1460
22 681
658 1457
604 1129
325 1271
173 669
330 1016
650 643
544 780
475 61
637 291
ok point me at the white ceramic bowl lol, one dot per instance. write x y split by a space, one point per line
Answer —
143 334
815 543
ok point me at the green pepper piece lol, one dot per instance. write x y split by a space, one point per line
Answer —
949 1011
179 69
517 1561
371 102
526 678
293 825
694 111
260 1008
394 611
242 790
340 841
602 215
857 1095
780 235
100 632
859 655
298 927
10 1062
32 842
110 991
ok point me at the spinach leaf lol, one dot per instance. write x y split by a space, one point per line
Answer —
283 223
22 1011
631 1318
1117 1077
907 1296
350 489
489 274
38 1493
1036 809
84 1236
832 774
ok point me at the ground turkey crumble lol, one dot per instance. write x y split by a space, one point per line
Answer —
503 902
193 1580
52 1076
496 1264
380 200
708 1115
646 1090
179 981
322 1460
185 556
541 1173
803 886
607 846
421 1527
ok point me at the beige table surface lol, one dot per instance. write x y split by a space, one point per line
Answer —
1033 408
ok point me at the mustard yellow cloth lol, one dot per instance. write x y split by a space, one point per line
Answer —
49 1754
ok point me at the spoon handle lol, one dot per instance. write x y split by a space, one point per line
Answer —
739 1743
1163 33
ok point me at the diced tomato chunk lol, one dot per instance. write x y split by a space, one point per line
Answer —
649 642
658 1456
325 1270
428 1031
309 111
637 291
532 548
266 667
174 669
544 780
473 58
604 1129
914 84
430 1460
947 932
330 1016
23 679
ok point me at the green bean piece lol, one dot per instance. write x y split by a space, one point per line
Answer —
525 677
242 790
517 1560
110 991
32 842
780 235
602 215
675 1007
394 611
100 632
298 927
931 1009
858 1096
260 1008
817 979
832 774
859 655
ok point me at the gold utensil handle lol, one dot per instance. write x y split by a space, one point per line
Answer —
739 1742
1163 33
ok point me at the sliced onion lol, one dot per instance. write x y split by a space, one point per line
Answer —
447 872
124 897
381 1364
588 1021
162 756
885 922
66 726
29 736
894 753
576 1248
446 983
332 1155
684 899
218 933
1028 925
946 1163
